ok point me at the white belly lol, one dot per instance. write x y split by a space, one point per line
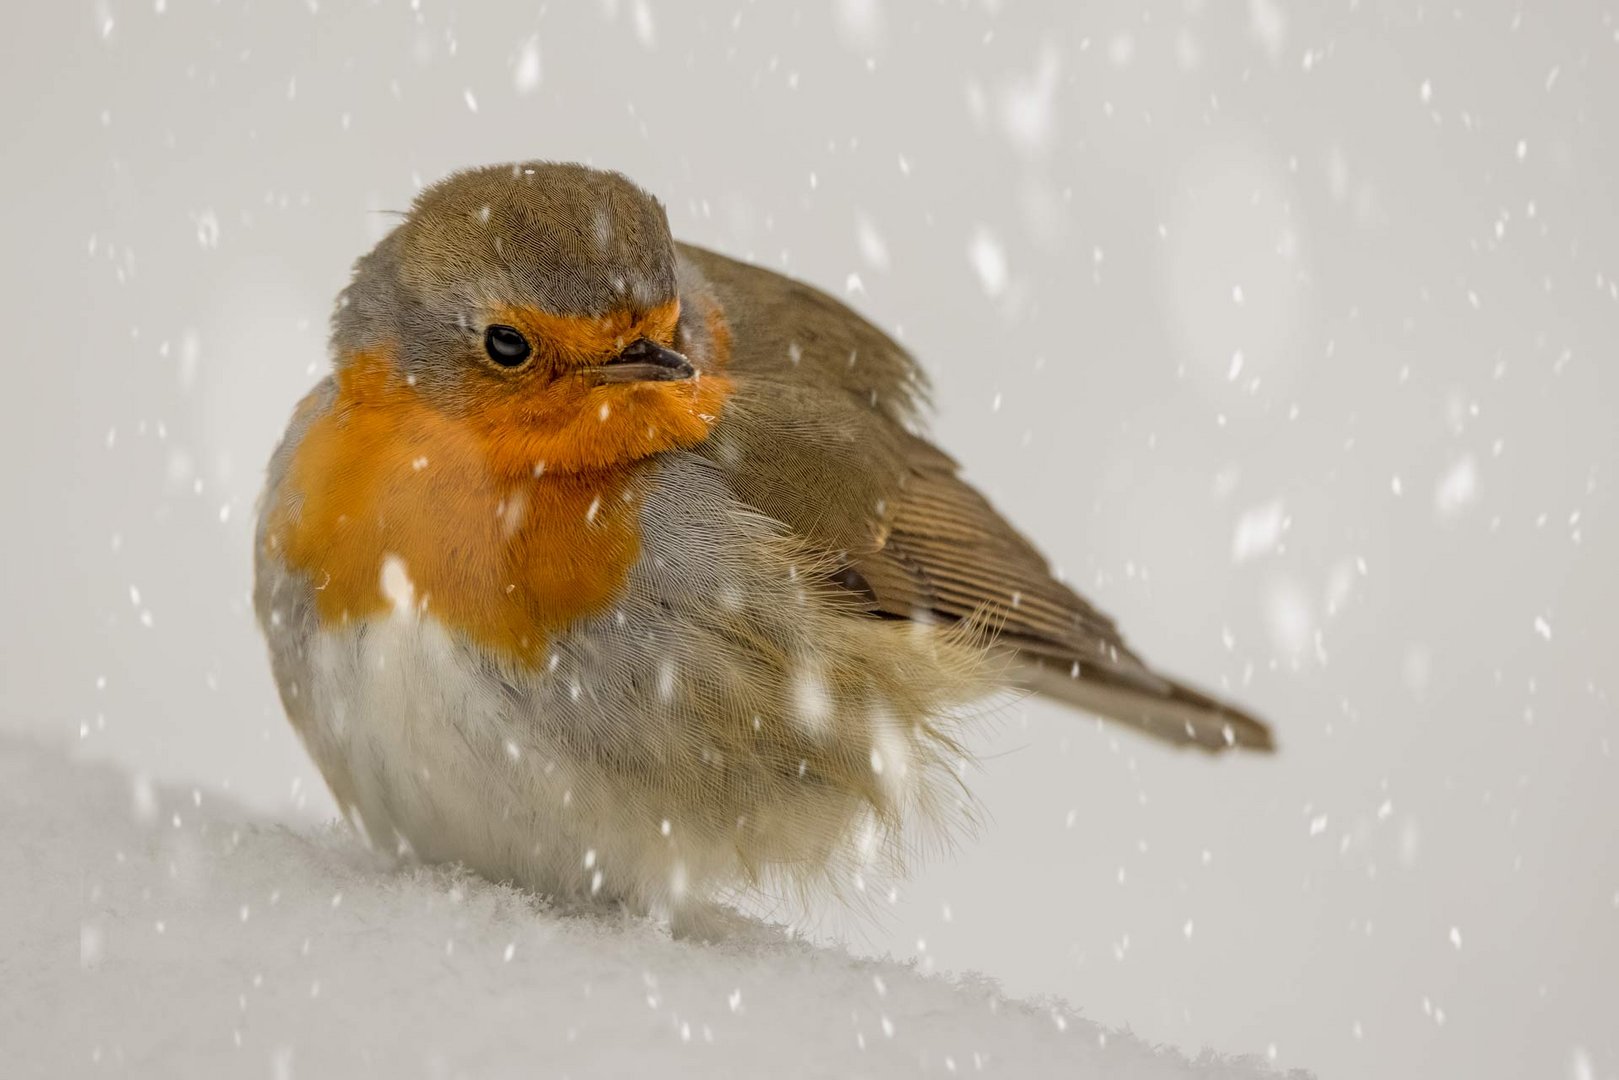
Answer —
443 765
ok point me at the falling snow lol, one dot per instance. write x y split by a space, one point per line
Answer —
988 261
526 75
1458 487
1284 330
1259 530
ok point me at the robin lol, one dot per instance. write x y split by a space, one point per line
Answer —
612 567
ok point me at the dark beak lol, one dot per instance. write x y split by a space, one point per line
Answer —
645 361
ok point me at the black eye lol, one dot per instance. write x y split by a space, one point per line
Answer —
505 346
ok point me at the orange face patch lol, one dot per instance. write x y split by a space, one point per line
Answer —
507 521
570 341
556 418
574 425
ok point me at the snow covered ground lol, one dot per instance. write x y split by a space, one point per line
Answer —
213 943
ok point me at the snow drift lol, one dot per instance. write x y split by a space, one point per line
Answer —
212 944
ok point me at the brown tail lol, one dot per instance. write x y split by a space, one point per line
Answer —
1164 709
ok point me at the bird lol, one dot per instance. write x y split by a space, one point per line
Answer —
624 572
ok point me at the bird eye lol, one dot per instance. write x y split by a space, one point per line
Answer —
505 346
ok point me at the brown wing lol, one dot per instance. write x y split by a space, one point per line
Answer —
820 436
949 553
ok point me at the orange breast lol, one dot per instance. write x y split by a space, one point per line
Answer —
486 546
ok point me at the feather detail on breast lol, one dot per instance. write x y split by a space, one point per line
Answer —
385 503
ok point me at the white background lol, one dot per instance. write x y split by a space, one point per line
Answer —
1389 527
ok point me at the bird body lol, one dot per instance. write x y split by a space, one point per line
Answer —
613 567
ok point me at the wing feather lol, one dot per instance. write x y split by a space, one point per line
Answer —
822 435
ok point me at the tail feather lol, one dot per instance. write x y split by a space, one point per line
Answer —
1160 707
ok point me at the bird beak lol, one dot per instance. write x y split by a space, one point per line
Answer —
644 361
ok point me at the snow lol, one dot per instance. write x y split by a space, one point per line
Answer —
1258 531
1441 650
1458 488
213 943
872 246
526 76
989 260
859 24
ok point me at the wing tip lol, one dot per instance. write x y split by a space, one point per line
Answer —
1239 731
1172 712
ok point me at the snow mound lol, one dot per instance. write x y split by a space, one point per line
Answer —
212 944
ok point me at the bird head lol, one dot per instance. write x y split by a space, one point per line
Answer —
540 304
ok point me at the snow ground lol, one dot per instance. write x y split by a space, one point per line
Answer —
214 944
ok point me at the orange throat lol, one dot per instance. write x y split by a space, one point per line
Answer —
506 522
